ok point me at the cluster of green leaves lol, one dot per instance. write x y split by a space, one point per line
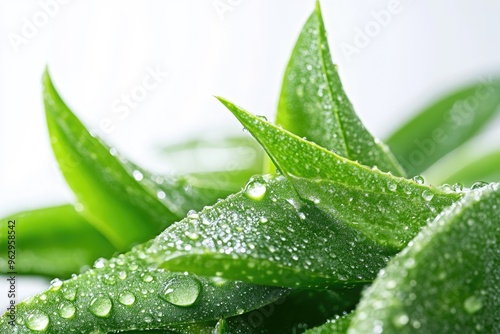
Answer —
289 251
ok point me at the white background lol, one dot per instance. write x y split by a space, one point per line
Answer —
98 50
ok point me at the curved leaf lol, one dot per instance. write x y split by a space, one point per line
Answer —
485 168
445 125
125 294
388 210
53 241
266 235
125 203
446 280
313 103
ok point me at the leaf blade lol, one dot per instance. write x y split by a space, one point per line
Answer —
313 103
453 264
444 125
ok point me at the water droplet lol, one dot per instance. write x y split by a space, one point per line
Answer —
37 321
473 304
262 117
419 179
427 195
66 310
263 220
192 214
392 186
122 275
181 290
478 185
401 320
100 263
101 306
137 175
69 293
255 190
112 151
79 207
126 298
458 187
161 194
192 235
133 266
147 278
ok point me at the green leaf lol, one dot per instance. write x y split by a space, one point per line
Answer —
313 103
53 241
125 203
485 168
445 125
446 280
266 235
124 293
339 325
388 210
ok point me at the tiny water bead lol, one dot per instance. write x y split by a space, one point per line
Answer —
69 293
66 310
101 306
126 298
37 321
181 290
473 304
255 190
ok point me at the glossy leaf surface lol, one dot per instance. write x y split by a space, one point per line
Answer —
388 210
445 125
54 241
446 280
313 103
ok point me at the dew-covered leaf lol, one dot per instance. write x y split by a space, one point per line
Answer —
338 325
445 125
53 241
388 210
446 280
124 293
266 235
126 204
313 103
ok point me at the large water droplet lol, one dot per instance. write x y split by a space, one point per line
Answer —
473 304
126 298
100 263
419 179
66 310
147 278
69 293
137 175
255 190
101 306
427 195
181 290
478 185
37 321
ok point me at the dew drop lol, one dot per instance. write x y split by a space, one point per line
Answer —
66 310
181 290
419 179
255 190
37 321
161 194
69 293
473 304
392 186
137 175
458 187
401 320
147 278
100 263
427 195
101 306
126 298
122 275
263 220
478 185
